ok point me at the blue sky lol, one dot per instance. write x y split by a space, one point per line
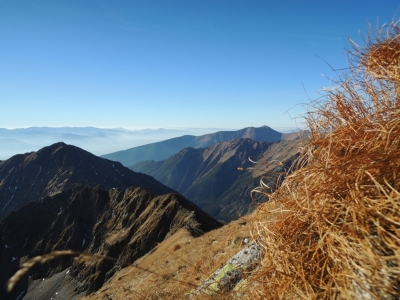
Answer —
172 64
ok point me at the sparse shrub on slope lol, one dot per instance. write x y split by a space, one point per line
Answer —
332 231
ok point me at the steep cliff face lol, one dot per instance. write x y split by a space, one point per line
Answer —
124 224
26 178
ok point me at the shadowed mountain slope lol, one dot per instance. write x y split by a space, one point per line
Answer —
124 224
163 150
210 177
29 177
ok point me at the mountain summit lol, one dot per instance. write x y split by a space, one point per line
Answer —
26 178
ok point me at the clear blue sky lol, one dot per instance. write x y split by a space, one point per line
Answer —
151 64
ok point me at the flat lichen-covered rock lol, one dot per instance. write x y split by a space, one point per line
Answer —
232 275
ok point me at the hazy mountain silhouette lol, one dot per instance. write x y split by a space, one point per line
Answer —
95 140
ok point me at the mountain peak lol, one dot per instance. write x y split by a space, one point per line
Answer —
32 176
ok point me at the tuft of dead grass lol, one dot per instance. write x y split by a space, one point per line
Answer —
332 230
41 259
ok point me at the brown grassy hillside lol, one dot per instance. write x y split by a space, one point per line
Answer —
332 231
177 265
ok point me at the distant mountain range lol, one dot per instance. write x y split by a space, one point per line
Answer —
63 197
210 177
95 140
164 149
29 177
124 224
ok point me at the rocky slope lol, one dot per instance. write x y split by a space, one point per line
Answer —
177 266
124 224
163 150
210 177
26 178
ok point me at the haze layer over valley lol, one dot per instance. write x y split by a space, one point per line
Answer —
98 141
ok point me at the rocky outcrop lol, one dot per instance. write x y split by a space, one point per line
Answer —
232 275
124 224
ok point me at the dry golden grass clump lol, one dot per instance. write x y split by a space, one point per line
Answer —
332 231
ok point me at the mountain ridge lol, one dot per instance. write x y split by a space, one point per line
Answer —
125 224
209 177
29 177
164 149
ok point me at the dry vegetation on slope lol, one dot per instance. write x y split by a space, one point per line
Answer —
176 266
332 231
